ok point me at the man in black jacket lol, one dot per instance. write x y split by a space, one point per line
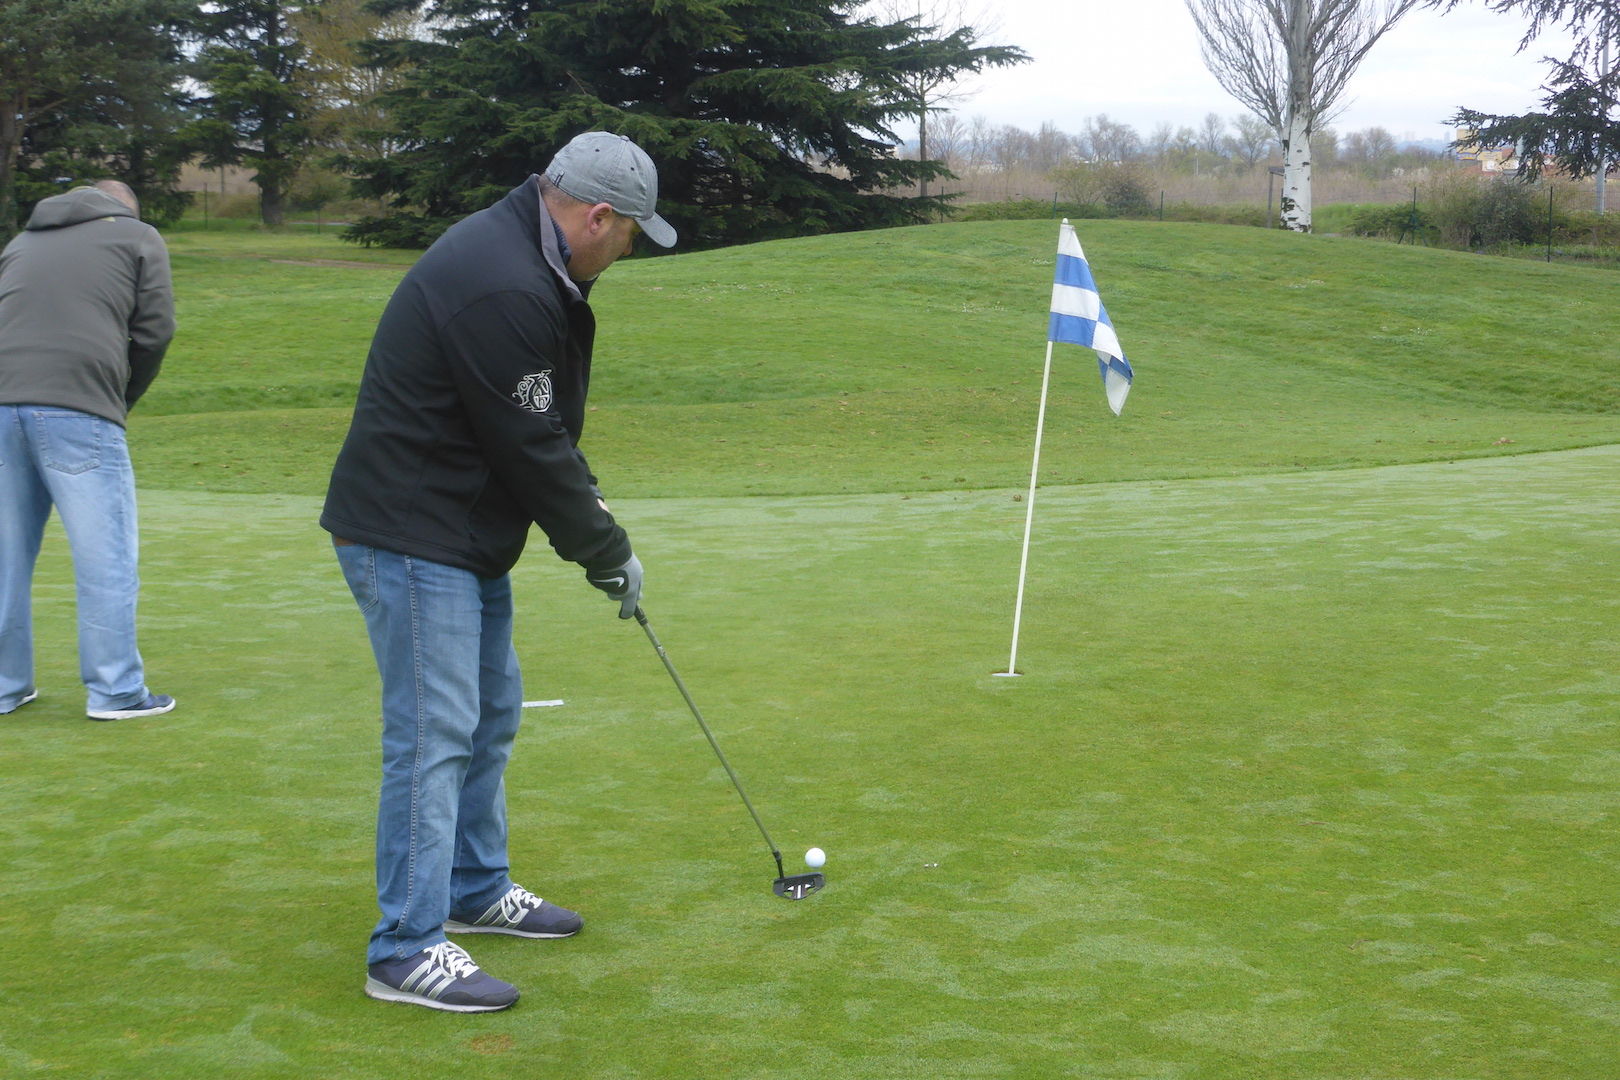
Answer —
465 433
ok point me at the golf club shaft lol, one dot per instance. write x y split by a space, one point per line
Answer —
681 686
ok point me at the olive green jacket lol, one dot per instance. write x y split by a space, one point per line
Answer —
86 307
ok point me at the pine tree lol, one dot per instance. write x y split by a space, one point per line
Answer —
766 118
81 84
1575 131
254 108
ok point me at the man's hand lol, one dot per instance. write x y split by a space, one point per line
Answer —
622 583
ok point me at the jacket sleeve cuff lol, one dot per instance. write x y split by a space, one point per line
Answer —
611 559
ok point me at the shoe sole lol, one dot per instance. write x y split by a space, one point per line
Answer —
383 992
464 928
131 714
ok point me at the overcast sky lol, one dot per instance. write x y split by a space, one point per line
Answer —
1138 61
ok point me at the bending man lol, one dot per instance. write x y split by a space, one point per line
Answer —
465 433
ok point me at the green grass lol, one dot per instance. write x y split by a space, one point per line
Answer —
1311 775
904 360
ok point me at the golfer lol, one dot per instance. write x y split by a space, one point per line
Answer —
465 433
86 314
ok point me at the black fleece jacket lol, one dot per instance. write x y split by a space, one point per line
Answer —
467 425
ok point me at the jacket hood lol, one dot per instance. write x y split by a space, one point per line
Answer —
80 204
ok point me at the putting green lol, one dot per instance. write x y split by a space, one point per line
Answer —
1311 776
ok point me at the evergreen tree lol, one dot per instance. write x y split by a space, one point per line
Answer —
766 117
86 87
1576 129
255 110
140 141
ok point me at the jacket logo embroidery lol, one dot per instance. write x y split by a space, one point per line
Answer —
534 392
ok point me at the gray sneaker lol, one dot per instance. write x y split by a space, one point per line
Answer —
441 976
521 914
26 698
154 705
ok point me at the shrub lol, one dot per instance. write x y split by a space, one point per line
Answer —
1388 220
413 231
1474 211
315 188
1122 188
238 204
1254 216
1453 200
1024 210
1586 227
1508 215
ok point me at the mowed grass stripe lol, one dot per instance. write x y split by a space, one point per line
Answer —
902 441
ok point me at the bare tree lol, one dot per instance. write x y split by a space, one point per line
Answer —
1290 61
1010 147
1159 143
1110 140
979 142
1372 149
931 88
950 137
343 88
1211 135
1324 148
1253 139
1049 147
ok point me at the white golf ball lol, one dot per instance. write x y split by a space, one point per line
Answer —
815 858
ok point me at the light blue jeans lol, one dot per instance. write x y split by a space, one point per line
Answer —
79 463
452 697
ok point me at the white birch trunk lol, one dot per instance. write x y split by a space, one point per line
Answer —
1296 192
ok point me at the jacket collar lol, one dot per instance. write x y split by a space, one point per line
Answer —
550 246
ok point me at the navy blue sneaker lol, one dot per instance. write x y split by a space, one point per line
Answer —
26 698
441 976
521 914
154 705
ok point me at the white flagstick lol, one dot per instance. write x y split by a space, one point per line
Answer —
1029 519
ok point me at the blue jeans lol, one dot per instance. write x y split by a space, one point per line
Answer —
79 463
452 697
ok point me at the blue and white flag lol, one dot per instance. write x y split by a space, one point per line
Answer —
1078 317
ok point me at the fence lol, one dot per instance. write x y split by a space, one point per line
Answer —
1246 187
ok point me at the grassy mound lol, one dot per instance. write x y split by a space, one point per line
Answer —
909 360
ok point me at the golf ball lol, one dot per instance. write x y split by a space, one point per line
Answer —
815 858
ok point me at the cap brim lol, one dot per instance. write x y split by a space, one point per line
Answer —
658 230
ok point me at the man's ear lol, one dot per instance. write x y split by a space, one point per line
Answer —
599 217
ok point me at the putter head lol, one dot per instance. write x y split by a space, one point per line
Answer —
799 886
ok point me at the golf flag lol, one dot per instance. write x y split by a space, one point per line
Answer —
1078 317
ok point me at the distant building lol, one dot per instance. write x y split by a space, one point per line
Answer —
1491 159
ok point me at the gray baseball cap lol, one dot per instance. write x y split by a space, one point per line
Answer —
601 167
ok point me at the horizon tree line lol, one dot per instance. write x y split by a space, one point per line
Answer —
771 118
1216 145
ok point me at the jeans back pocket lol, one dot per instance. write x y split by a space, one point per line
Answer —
69 442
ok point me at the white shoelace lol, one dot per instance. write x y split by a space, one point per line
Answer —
517 902
453 958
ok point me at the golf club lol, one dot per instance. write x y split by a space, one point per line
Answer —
794 887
